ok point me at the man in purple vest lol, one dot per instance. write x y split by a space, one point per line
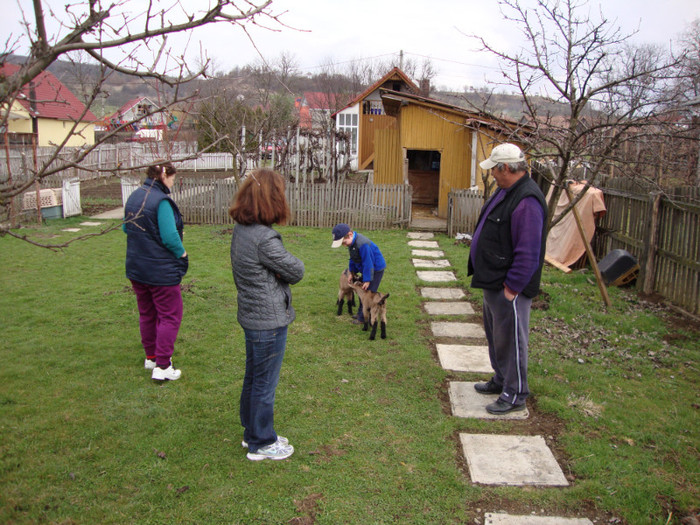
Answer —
506 257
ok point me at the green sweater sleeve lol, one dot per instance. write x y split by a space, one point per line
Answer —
168 230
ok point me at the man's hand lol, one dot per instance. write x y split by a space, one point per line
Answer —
510 294
365 285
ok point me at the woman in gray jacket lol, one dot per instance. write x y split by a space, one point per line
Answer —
262 273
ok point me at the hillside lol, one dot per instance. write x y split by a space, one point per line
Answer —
120 88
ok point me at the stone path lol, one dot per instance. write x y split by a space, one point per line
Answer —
117 213
493 459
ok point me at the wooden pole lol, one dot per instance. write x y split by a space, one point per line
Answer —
589 250
651 245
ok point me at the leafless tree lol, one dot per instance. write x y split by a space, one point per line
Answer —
119 39
612 93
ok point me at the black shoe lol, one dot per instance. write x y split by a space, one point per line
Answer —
500 407
489 387
357 321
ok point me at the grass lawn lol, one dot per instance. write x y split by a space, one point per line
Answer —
87 437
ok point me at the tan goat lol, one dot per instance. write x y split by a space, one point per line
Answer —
345 291
373 308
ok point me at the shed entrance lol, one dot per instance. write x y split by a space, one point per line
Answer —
424 177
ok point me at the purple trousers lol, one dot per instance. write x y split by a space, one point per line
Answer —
160 315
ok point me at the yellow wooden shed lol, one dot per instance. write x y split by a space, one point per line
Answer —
434 147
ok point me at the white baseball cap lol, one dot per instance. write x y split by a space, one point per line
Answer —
503 153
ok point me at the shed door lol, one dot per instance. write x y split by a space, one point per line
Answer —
424 176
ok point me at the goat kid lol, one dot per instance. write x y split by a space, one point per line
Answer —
345 291
373 308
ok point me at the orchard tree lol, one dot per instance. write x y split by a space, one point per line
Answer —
612 93
119 36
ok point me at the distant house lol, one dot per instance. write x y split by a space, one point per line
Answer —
47 109
365 114
316 108
139 113
433 146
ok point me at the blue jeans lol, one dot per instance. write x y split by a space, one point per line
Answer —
264 353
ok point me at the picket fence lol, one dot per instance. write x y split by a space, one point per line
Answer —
463 207
367 207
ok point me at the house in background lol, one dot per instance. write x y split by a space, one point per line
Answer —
434 147
365 114
316 108
47 109
139 115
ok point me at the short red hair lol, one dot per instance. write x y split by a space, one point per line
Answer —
261 199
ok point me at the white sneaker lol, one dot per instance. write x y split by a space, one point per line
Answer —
275 451
281 439
160 374
149 364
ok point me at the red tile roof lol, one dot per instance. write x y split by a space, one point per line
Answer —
321 100
52 99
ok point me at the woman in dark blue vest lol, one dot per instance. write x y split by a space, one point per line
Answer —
156 262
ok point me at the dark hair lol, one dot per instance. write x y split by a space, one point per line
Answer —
156 172
261 199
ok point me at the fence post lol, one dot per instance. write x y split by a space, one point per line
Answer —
450 204
650 244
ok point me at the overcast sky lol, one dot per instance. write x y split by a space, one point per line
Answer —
339 31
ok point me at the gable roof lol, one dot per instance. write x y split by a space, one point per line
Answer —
51 98
394 74
129 105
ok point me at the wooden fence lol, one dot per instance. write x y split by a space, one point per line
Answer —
366 207
662 230
463 208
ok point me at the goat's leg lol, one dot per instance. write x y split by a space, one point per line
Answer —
373 333
384 322
351 303
366 313
340 306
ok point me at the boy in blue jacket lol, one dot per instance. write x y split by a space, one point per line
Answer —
365 258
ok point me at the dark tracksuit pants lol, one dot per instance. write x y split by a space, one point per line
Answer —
507 326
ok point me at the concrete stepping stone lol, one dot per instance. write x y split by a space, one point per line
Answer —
448 308
427 253
453 329
72 230
464 358
507 519
426 263
424 244
442 293
91 223
511 460
436 276
468 403
421 235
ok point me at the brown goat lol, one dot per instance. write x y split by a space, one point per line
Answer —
373 308
345 291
